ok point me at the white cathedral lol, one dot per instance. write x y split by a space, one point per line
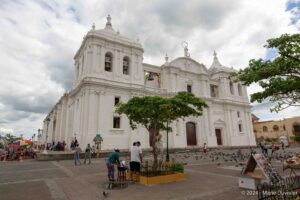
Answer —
109 69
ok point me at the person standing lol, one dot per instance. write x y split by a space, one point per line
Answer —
72 146
265 150
88 151
205 149
63 146
93 151
136 158
113 159
75 142
77 154
282 145
261 146
131 163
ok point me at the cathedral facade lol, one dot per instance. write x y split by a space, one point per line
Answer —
109 69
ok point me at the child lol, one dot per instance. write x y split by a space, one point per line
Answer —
122 171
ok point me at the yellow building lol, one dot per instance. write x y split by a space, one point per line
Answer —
274 129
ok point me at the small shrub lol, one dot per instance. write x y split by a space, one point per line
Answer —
178 167
268 140
295 138
163 169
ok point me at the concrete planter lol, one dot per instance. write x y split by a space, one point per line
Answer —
162 179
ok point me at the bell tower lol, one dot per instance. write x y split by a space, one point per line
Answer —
107 55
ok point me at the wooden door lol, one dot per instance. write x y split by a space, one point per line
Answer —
191 134
219 136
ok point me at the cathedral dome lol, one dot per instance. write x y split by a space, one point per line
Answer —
188 64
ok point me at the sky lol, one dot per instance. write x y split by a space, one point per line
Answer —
38 40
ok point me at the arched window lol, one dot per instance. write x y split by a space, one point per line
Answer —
108 62
275 128
231 87
265 129
126 65
240 89
240 127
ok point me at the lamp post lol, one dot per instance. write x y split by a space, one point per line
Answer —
167 156
47 122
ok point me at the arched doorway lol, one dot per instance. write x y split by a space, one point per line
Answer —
191 134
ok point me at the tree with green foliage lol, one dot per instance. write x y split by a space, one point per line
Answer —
154 112
11 138
280 77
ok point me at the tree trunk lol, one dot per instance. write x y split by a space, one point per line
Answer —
155 149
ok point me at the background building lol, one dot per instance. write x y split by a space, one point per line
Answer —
109 69
274 129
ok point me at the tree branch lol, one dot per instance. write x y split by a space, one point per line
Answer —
292 57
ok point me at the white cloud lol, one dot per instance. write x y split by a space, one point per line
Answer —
39 38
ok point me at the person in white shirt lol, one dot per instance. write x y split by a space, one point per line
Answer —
136 158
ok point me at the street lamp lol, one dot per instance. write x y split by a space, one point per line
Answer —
167 156
47 122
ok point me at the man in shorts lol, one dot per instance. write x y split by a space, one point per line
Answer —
136 158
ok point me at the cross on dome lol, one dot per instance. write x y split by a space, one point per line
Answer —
108 18
215 54
108 23
216 63
166 58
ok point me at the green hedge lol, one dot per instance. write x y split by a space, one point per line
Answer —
177 167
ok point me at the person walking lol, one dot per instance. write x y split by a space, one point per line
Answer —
88 152
113 159
77 154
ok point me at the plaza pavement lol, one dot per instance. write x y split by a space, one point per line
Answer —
59 180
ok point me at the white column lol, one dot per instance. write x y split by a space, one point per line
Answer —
100 110
135 62
57 126
81 116
207 89
89 64
140 69
102 56
86 117
228 125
